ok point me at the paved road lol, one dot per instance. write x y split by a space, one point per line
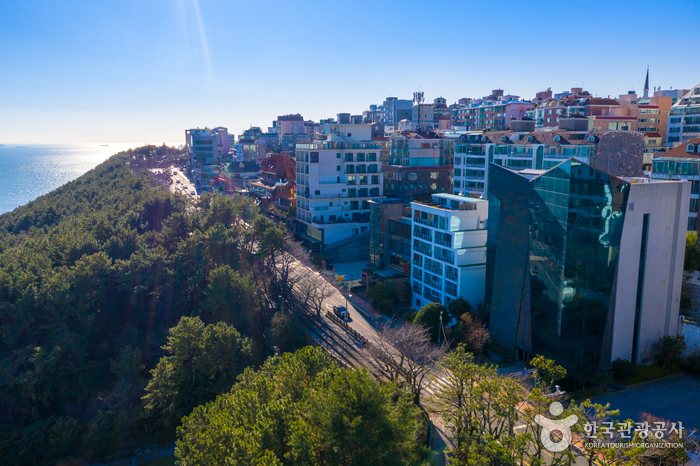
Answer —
184 186
675 398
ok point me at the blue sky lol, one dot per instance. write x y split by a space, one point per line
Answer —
144 70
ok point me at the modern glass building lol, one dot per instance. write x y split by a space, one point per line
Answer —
554 239
583 267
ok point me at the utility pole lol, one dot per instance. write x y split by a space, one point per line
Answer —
440 329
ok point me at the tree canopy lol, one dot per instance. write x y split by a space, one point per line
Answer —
92 277
302 409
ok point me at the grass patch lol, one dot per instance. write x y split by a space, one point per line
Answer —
650 372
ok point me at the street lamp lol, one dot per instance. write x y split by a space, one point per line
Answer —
347 311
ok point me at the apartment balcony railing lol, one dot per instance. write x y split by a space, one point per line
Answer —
451 276
336 145
433 284
416 289
422 236
451 292
442 242
417 262
426 222
433 269
449 260
425 252
320 221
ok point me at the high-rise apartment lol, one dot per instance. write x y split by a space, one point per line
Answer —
336 179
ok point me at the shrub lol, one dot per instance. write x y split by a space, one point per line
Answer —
623 370
692 363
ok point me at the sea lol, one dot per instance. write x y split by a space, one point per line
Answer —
28 171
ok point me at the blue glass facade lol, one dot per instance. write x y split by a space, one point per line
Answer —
554 239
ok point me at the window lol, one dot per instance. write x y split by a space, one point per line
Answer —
317 192
434 175
337 168
557 138
349 134
412 176
337 156
690 148
375 179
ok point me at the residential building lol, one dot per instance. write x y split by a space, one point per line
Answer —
494 112
276 182
619 152
684 118
290 130
449 250
358 132
577 102
389 236
208 148
682 163
336 179
583 267
417 164
395 110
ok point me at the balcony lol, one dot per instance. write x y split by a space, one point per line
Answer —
416 289
417 262
433 284
449 260
451 292
422 236
426 222
451 277
443 243
425 252
437 270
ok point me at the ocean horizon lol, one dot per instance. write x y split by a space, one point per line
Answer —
28 171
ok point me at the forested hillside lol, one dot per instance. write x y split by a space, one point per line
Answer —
92 278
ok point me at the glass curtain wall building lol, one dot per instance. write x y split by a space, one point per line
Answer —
554 241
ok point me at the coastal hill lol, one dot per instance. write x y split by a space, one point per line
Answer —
92 277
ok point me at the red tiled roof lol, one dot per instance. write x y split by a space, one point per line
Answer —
679 151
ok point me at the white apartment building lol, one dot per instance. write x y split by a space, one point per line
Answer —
449 250
335 181
684 118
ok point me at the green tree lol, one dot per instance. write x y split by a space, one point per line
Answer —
692 252
458 307
302 409
202 362
547 371
669 350
286 332
429 317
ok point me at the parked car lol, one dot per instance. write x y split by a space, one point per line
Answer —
193 193
177 181
341 312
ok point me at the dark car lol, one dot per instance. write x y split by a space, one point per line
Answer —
341 312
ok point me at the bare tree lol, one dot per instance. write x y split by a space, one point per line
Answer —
287 266
317 292
477 337
406 351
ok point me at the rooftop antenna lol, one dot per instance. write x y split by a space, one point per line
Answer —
418 98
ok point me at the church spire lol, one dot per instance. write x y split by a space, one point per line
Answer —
646 84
